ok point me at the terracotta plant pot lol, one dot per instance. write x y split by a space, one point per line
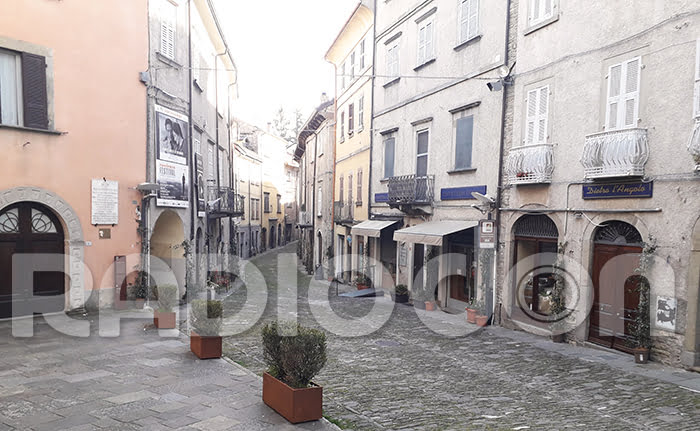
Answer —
205 347
481 320
558 338
362 286
164 320
641 355
401 299
295 405
471 315
429 306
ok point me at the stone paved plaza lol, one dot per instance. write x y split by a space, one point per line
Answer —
405 376
138 380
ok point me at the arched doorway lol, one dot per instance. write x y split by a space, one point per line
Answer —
166 244
535 236
27 228
614 284
279 235
263 239
319 248
273 232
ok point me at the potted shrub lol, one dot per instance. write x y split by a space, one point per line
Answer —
557 307
641 330
206 319
482 320
471 311
430 306
362 282
292 362
401 294
164 316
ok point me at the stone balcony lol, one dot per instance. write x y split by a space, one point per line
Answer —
694 145
615 154
530 164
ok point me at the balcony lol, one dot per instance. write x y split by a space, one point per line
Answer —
530 164
407 191
342 212
304 219
614 154
694 145
224 202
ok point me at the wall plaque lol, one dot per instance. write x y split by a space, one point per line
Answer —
615 191
105 202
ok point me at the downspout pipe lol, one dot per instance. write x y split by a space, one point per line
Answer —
193 208
371 113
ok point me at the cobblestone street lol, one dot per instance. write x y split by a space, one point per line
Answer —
405 376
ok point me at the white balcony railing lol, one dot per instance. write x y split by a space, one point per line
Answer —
618 153
694 145
530 164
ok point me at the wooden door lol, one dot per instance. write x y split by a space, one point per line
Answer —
30 228
615 297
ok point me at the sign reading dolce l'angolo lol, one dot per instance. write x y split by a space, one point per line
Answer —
614 191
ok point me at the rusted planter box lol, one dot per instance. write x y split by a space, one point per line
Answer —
295 405
164 320
205 347
471 315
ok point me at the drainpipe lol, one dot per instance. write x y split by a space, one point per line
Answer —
501 151
193 208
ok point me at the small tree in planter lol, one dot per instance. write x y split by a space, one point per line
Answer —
363 282
401 294
292 362
481 317
471 311
164 316
206 320
641 326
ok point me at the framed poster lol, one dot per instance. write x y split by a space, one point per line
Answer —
105 202
172 178
172 131
200 184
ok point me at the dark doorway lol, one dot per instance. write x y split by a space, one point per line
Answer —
615 286
30 228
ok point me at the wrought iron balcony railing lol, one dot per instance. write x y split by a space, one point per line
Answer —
694 145
530 164
618 153
411 190
224 202
342 212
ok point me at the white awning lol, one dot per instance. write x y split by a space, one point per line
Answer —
432 233
371 228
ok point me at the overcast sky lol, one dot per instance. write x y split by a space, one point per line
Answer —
278 46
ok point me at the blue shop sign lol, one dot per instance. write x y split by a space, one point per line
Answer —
614 191
381 197
461 193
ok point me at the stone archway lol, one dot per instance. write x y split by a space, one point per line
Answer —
73 235
690 357
166 241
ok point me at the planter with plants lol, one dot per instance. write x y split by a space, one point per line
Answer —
401 294
482 320
206 320
292 362
641 326
363 282
472 311
430 306
164 316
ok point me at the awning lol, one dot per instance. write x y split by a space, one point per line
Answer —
432 233
371 228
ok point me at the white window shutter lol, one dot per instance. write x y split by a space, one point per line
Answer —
428 41
542 112
473 18
167 29
421 45
632 76
531 116
614 91
696 100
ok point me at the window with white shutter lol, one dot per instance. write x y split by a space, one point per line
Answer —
622 108
361 113
362 55
168 24
468 19
352 66
696 97
319 202
541 10
425 41
392 60
537 106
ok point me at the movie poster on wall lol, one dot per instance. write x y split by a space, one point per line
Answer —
200 184
172 131
174 185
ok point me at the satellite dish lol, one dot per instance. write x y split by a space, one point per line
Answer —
485 199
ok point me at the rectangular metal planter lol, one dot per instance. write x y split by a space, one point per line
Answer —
205 347
295 405
165 320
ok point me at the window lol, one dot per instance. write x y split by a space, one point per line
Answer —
537 109
279 204
392 60
359 186
362 54
696 100
197 145
352 66
349 189
342 126
468 19
351 119
425 41
267 202
210 161
23 91
168 24
389 157
541 10
422 138
319 202
622 109
463 142
342 75
341 193
361 113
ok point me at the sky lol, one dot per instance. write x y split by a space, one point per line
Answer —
278 47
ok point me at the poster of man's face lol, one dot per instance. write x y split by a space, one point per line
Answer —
171 135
